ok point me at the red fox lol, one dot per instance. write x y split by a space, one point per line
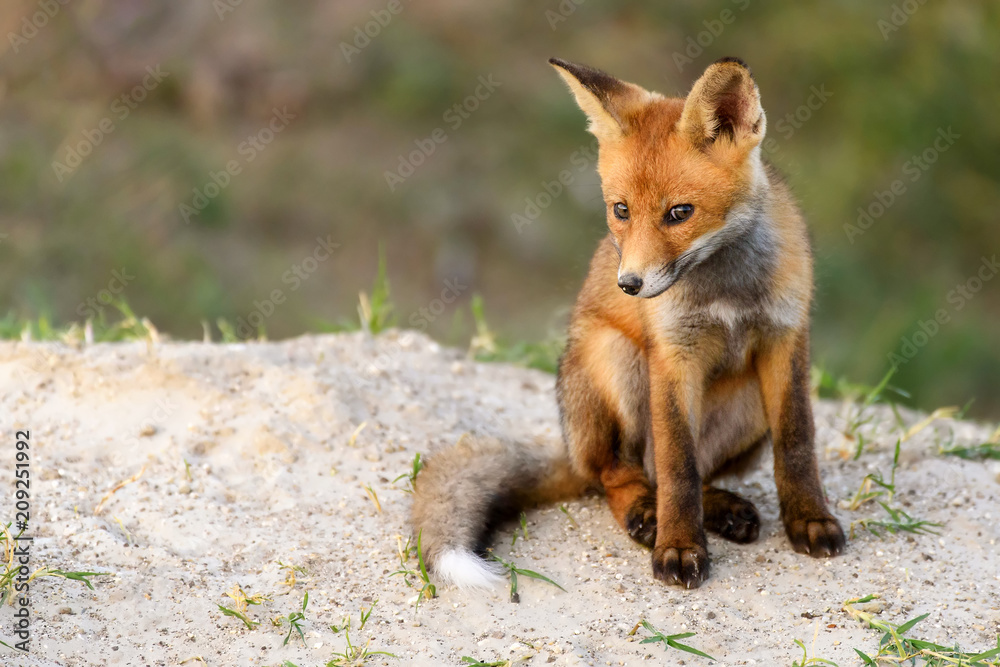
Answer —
688 348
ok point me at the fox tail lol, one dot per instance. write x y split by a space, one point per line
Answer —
465 490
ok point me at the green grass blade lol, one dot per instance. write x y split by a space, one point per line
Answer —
877 390
420 557
910 623
988 450
671 640
688 649
868 660
79 576
867 598
535 575
992 653
236 614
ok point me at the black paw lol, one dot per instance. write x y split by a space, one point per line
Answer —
733 517
640 521
820 538
686 566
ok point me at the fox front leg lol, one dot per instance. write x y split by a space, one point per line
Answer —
680 555
783 370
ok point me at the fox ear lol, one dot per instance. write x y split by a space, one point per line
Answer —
609 103
724 102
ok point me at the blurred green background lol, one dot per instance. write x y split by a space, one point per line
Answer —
350 106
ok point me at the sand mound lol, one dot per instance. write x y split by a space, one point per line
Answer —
247 459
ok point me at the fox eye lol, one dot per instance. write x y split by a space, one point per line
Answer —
679 213
621 211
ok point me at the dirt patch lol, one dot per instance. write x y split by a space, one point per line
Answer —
248 462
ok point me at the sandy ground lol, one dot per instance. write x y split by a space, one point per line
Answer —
266 429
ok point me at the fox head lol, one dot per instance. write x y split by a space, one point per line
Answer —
679 176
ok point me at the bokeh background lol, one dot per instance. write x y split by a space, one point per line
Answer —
358 86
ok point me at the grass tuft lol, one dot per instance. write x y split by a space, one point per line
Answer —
807 661
427 589
514 570
294 621
485 346
896 648
669 641
241 606
102 329
291 574
863 415
10 569
987 450
355 656
865 493
411 475
898 521
524 530
376 312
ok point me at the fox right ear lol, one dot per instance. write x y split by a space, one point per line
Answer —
724 102
609 103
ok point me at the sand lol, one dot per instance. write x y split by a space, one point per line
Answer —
246 460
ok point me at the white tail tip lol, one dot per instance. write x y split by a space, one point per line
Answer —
466 570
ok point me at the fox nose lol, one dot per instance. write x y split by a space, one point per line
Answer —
630 283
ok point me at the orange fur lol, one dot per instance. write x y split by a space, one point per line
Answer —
687 349
694 374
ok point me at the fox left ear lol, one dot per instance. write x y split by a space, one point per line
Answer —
610 104
724 103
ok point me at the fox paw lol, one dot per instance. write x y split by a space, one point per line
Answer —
640 520
731 516
686 566
820 538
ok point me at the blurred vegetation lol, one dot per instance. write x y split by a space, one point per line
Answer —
287 243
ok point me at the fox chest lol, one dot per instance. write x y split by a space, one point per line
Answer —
725 348
721 339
